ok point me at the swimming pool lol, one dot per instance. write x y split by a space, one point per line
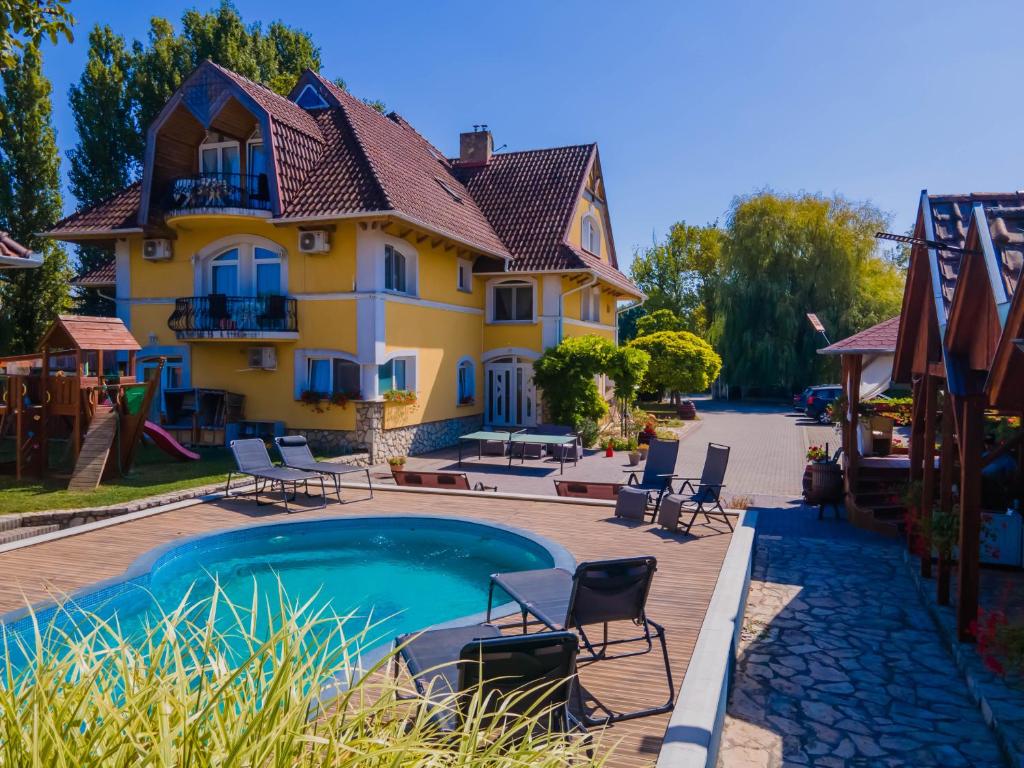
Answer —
406 572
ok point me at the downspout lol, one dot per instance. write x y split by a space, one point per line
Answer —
561 303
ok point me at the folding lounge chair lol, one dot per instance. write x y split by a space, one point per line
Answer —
658 471
598 593
538 668
705 498
452 481
295 453
252 459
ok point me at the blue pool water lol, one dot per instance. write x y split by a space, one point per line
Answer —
411 572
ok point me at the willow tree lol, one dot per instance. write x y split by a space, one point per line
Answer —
785 256
30 203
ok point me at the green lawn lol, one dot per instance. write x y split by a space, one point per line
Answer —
154 473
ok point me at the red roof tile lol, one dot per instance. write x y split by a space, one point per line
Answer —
876 339
85 332
101 277
121 211
11 249
1006 226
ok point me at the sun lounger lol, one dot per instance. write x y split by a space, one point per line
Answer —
452 481
703 495
252 460
658 471
598 593
536 669
587 489
295 453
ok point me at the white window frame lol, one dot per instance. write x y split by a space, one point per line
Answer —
465 363
246 245
410 358
464 267
302 362
493 285
411 256
322 103
590 305
219 146
590 230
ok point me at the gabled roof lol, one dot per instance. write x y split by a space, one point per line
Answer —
103 276
107 217
878 339
85 332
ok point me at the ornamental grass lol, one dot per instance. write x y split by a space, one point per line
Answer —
212 683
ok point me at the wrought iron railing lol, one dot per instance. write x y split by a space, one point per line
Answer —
218 190
218 315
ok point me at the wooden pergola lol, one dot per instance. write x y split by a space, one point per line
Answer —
956 348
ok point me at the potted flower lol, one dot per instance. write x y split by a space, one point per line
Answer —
397 463
814 454
649 432
642 449
634 454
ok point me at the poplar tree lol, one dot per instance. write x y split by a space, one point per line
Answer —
30 203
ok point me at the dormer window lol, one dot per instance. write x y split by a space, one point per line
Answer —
591 235
310 98
218 156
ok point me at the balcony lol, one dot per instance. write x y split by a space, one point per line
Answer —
235 317
217 192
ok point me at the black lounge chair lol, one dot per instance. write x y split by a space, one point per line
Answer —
705 498
252 459
658 472
599 592
295 453
564 451
538 669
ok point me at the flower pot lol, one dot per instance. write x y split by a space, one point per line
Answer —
634 458
826 482
806 483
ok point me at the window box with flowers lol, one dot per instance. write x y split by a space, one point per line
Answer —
399 397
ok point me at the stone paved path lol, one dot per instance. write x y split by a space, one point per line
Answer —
840 664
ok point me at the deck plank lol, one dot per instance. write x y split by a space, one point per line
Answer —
688 570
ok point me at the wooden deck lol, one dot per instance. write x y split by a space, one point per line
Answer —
687 573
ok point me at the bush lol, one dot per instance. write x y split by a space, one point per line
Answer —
680 362
200 687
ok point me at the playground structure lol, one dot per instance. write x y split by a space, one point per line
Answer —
80 388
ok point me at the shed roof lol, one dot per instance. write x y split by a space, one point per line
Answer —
878 339
85 332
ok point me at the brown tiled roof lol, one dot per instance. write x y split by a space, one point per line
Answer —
120 211
529 198
102 276
878 338
1006 226
11 249
85 332
951 217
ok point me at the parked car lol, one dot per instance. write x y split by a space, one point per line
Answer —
818 401
800 400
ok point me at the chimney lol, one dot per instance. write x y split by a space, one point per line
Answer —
476 147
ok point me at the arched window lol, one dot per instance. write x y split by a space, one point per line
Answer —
395 270
268 272
224 273
326 372
591 239
512 302
219 156
466 380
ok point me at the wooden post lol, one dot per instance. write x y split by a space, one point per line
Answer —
947 475
853 371
972 435
931 391
916 448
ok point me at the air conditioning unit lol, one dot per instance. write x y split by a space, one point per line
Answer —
263 358
156 250
314 241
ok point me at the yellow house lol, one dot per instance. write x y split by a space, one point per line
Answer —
329 264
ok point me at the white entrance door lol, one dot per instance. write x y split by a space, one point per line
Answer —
511 397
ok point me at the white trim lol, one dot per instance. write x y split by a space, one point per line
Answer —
246 245
502 281
588 324
184 213
466 264
92 234
219 146
497 352
28 261
238 335
590 219
122 280
411 358
411 254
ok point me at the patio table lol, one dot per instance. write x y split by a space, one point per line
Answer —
521 438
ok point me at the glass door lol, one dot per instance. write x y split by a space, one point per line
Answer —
511 396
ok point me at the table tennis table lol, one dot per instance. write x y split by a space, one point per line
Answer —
520 437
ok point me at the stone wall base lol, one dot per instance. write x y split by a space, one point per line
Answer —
422 438
333 442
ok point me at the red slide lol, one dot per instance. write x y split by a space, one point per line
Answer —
168 444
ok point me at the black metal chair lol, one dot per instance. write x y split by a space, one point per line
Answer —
658 472
252 460
705 498
525 674
598 592
295 453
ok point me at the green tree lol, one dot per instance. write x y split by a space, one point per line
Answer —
784 256
627 367
29 204
680 362
24 24
104 159
658 320
681 274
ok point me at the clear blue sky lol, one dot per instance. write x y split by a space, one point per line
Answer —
692 103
